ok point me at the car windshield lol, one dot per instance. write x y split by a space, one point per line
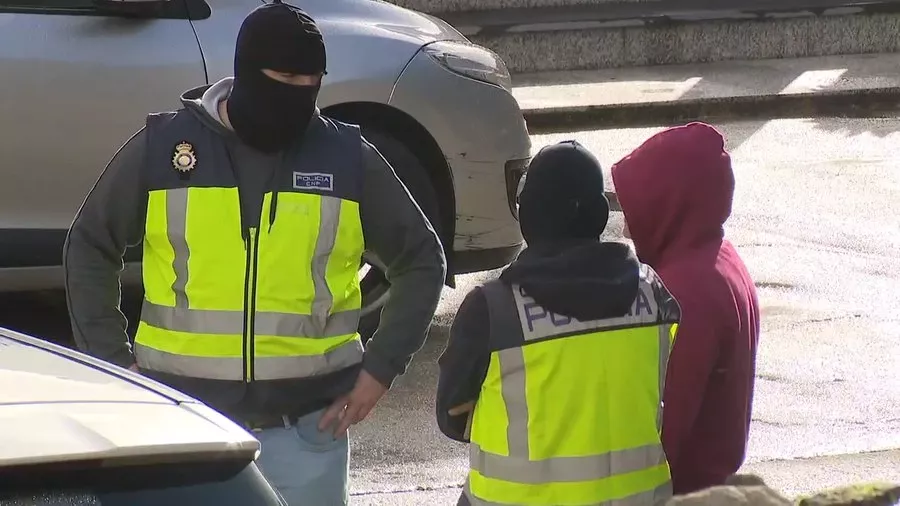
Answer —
228 483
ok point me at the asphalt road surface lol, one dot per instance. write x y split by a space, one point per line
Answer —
816 218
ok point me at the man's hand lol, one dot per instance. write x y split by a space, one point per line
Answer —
353 407
134 367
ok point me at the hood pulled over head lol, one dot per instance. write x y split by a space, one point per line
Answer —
267 114
675 191
562 197
585 280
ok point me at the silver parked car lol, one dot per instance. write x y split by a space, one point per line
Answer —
79 76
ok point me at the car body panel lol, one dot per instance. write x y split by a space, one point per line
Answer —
38 433
10 337
54 377
80 85
477 153
69 102
484 138
358 70
60 405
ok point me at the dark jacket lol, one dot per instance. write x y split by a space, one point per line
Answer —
112 219
586 280
676 192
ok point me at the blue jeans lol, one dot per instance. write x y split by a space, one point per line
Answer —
306 466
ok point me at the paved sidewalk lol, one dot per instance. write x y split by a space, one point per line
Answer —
832 85
791 477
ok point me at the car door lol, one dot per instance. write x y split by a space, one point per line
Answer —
78 79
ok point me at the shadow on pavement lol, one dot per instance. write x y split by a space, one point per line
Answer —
879 127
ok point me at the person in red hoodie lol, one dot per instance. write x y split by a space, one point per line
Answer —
675 191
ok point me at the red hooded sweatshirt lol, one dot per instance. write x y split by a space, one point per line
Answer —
676 191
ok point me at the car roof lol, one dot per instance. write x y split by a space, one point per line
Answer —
60 405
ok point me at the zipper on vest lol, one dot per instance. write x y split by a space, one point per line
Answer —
273 209
250 303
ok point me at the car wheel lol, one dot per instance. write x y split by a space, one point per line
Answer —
375 287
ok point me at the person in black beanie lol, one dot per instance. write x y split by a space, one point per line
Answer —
561 360
254 210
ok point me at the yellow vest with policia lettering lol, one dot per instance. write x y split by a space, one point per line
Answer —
228 302
569 413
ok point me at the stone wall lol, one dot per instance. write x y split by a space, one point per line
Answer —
574 40
695 43
439 6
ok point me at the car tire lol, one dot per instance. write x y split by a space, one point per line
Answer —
410 170
374 285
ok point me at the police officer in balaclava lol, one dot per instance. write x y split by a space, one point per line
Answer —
254 210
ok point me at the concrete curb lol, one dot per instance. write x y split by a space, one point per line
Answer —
858 103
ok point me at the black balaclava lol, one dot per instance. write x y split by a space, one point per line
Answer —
267 114
563 198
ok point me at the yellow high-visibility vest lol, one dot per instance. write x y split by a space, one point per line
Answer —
569 413
226 302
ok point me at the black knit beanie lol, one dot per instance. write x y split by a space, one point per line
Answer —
562 197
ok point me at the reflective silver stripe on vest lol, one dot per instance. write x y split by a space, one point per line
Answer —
518 467
656 497
538 323
212 321
564 469
176 226
329 215
181 319
265 368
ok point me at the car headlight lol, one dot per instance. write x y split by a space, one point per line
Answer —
471 61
